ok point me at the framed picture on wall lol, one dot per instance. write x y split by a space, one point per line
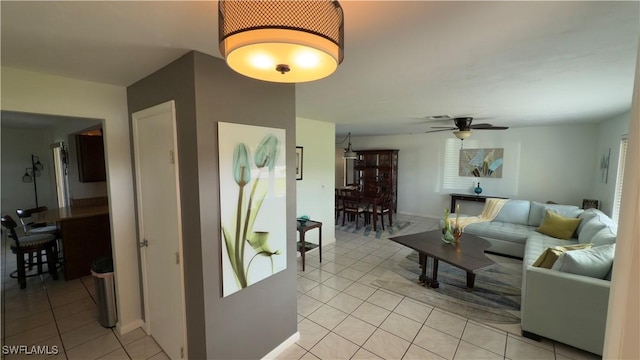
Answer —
298 162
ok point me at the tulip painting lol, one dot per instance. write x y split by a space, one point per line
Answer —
252 203
481 162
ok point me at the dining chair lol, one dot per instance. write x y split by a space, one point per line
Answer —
338 203
384 207
33 246
351 205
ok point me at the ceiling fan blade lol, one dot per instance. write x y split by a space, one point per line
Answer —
448 129
444 127
495 128
481 126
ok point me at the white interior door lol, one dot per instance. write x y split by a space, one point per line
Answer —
160 232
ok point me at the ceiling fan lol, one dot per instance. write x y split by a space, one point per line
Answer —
464 127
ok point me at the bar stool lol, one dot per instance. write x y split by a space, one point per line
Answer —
30 228
33 246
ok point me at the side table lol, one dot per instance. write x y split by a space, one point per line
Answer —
302 229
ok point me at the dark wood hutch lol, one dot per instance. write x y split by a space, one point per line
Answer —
375 169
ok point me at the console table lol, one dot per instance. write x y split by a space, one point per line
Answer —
302 229
469 197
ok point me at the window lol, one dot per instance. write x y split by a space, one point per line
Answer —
617 198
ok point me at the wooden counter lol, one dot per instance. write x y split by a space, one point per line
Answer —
85 233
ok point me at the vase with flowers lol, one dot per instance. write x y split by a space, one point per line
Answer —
457 230
447 231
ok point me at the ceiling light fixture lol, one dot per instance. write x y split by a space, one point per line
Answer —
282 41
462 134
348 152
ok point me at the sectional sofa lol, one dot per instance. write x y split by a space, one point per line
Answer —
568 302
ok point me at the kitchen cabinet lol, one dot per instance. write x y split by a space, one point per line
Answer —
91 164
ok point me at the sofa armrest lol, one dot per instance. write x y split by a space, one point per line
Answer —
565 307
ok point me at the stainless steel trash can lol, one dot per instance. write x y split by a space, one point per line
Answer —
102 271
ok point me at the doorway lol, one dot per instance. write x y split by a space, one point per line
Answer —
160 226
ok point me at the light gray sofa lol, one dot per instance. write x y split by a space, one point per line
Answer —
558 305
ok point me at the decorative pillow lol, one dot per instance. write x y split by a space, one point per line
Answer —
586 216
595 262
514 212
558 226
603 237
549 257
589 229
538 211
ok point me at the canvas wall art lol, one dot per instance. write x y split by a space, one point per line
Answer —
252 204
485 163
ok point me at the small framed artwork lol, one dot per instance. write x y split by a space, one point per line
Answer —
298 162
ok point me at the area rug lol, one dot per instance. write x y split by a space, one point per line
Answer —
367 230
495 297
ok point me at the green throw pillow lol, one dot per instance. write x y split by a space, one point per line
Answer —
549 256
558 226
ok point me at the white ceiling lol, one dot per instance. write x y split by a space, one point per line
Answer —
509 63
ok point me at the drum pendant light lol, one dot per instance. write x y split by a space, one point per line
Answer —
281 41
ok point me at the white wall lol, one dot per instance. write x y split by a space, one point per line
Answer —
610 133
47 94
315 192
17 147
541 163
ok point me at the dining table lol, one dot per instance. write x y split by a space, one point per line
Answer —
370 199
85 233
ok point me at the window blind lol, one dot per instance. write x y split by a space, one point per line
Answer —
617 198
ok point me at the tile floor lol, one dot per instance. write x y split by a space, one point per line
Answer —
341 315
63 314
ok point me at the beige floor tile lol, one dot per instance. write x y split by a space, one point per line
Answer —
345 302
338 282
355 330
332 267
18 310
307 305
370 313
75 307
485 338
304 284
309 356
142 348
77 320
360 291
95 348
318 275
293 352
417 353
131 336
159 356
14 327
385 299
437 342
468 351
401 326
363 266
33 336
364 354
46 349
310 333
83 334
333 346
369 280
118 354
386 345
351 274
517 349
64 297
322 293
446 323
300 318
327 316
413 310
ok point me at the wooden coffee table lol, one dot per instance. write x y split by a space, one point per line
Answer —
468 255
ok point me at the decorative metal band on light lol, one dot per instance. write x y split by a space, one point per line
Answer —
281 41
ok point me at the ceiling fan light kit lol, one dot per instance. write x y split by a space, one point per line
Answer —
282 41
462 134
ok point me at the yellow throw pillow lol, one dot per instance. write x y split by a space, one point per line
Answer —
549 256
558 226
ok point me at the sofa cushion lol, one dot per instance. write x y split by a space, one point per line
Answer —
604 237
515 212
558 226
586 216
595 262
537 243
538 211
500 230
589 230
549 257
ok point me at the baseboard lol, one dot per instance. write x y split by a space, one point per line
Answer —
283 346
130 326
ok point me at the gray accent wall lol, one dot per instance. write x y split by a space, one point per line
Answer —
252 322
